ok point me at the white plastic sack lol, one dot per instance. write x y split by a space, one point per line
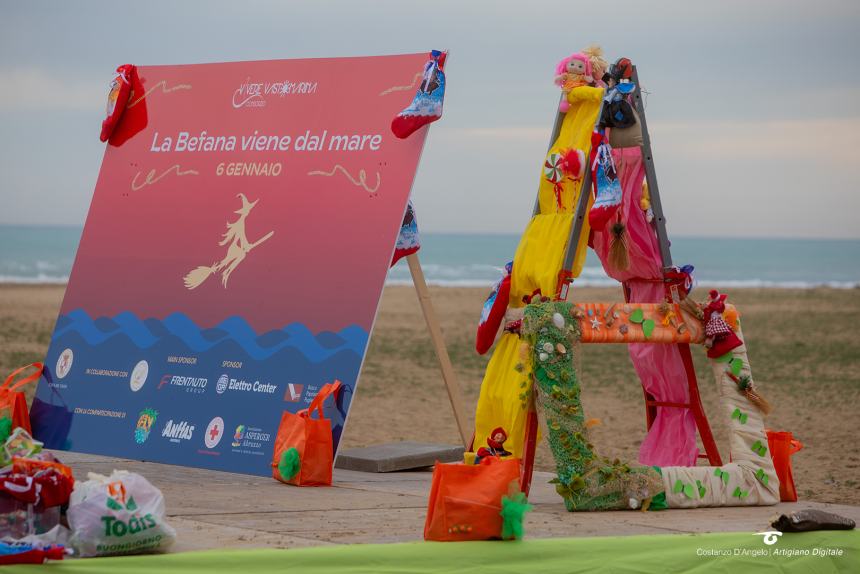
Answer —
118 514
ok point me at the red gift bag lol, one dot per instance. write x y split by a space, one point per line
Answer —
466 499
13 404
303 448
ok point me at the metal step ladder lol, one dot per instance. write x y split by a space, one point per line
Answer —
694 403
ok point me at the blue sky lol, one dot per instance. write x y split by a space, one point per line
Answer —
753 106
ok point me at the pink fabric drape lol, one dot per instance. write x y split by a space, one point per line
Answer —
671 441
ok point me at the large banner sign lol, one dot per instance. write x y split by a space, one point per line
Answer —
232 260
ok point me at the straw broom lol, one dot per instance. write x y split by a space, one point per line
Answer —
196 277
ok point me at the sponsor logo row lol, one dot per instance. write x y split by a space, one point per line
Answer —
246 439
190 384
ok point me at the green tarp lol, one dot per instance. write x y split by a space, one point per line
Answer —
734 553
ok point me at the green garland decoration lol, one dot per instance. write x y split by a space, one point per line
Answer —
658 501
586 481
5 429
290 464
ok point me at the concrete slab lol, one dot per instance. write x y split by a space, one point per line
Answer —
194 491
197 535
418 475
212 509
397 456
341 526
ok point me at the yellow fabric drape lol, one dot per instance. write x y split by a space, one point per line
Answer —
575 133
539 256
538 260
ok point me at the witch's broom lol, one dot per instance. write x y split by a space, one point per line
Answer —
618 257
196 277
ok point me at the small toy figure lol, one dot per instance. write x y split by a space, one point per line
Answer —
620 72
599 65
572 72
617 111
645 202
719 337
682 277
496 444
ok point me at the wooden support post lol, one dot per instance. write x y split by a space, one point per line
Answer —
455 393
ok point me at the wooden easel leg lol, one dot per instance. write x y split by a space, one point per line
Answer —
455 393
712 453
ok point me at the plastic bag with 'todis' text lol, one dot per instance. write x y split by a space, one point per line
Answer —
118 514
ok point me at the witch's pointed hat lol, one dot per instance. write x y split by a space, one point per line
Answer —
247 206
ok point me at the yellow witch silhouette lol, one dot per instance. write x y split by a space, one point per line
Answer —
238 249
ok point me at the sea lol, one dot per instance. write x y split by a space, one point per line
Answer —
45 254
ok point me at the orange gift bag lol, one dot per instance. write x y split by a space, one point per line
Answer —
783 445
13 404
303 448
471 502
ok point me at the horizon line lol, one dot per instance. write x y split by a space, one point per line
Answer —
518 234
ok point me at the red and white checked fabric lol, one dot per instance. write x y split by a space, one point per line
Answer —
717 326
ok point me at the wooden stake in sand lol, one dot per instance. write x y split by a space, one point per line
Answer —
455 393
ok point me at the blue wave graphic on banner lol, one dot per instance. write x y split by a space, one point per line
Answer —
146 333
241 379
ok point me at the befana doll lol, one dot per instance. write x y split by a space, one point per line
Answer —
572 72
599 65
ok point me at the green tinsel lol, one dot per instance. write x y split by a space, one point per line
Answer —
659 502
5 428
585 480
514 509
290 464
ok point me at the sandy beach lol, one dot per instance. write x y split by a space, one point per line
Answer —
803 345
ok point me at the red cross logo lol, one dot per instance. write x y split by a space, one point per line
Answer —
214 431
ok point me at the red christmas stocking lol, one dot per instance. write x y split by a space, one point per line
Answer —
408 241
608 198
493 312
120 89
426 107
